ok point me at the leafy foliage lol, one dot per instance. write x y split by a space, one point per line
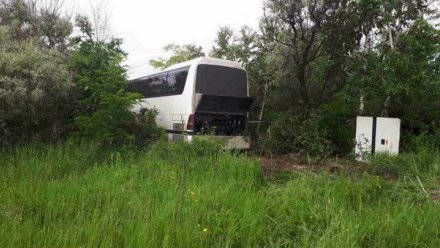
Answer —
409 74
37 19
144 128
316 62
105 105
327 54
292 134
313 41
36 91
179 54
250 48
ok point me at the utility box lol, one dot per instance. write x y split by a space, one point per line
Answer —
376 135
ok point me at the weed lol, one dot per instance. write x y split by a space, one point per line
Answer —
195 195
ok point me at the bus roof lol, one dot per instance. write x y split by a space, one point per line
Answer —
195 62
207 61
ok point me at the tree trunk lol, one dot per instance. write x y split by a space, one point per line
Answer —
390 35
387 101
369 46
361 105
386 106
266 86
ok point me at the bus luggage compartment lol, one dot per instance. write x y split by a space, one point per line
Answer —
221 115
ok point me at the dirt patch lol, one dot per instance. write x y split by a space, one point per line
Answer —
285 163
296 163
435 194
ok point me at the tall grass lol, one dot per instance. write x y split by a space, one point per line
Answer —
423 165
195 195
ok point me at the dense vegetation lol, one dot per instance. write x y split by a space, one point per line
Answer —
184 195
315 65
54 85
79 169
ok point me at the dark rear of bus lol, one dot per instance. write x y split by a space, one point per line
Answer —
222 101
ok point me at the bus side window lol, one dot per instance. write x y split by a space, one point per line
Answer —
158 86
164 84
145 87
176 81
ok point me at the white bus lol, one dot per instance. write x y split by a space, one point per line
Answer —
205 96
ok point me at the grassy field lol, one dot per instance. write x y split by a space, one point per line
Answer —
185 195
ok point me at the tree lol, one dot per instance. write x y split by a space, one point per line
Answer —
36 91
313 40
225 45
408 74
37 19
384 20
104 114
36 88
249 48
179 53
100 20
242 47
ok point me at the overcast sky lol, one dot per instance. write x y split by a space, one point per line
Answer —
148 25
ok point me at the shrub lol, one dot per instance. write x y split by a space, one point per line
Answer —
292 134
105 114
36 91
422 142
144 128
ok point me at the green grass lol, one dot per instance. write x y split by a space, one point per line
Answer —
424 164
186 195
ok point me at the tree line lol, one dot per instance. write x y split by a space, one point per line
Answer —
55 85
313 66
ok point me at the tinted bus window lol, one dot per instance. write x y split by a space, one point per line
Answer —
221 81
164 84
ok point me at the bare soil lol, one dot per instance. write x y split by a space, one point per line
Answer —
296 163
435 194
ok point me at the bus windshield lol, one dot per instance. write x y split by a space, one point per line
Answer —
221 81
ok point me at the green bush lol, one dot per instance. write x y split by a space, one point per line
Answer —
338 118
36 91
292 134
104 104
144 128
105 114
422 142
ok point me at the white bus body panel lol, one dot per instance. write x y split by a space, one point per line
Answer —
174 111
